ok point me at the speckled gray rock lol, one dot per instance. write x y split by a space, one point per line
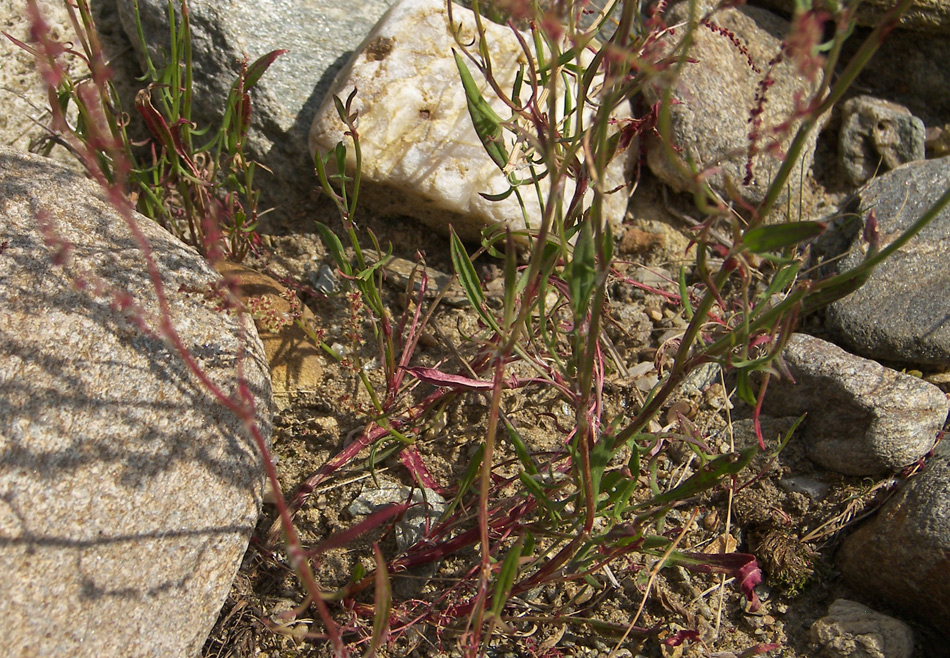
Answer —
716 94
901 314
425 510
921 16
877 136
426 506
863 418
902 555
909 68
23 95
851 630
127 493
320 34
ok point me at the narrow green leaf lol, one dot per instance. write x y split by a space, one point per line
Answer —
359 571
339 154
634 463
501 196
619 488
335 247
619 501
467 479
779 285
259 67
472 471
684 295
367 274
582 273
511 278
506 578
516 87
707 477
568 109
528 547
486 122
466 272
565 59
541 66
600 456
521 449
782 279
779 236
340 109
468 279
744 387
789 433
535 489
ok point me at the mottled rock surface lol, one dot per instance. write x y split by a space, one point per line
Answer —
22 92
877 136
851 630
127 493
319 34
425 508
716 95
922 15
863 418
901 314
902 555
421 155
909 68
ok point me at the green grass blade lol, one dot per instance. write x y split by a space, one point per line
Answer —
776 237
521 449
465 270
468 279
506 578
582 273
684 295
335 247
468 478
707 477
486 121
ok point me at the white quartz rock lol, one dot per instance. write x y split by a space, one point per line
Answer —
421 155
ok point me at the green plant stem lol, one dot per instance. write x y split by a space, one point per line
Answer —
844 81
485 492
679 368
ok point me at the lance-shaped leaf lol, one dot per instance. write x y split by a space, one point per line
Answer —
168 136
486 121
506 578
468 279
410 458
335 247
260 65
582 272
239 102
456 382
706 477
779 236
383 601
371 522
